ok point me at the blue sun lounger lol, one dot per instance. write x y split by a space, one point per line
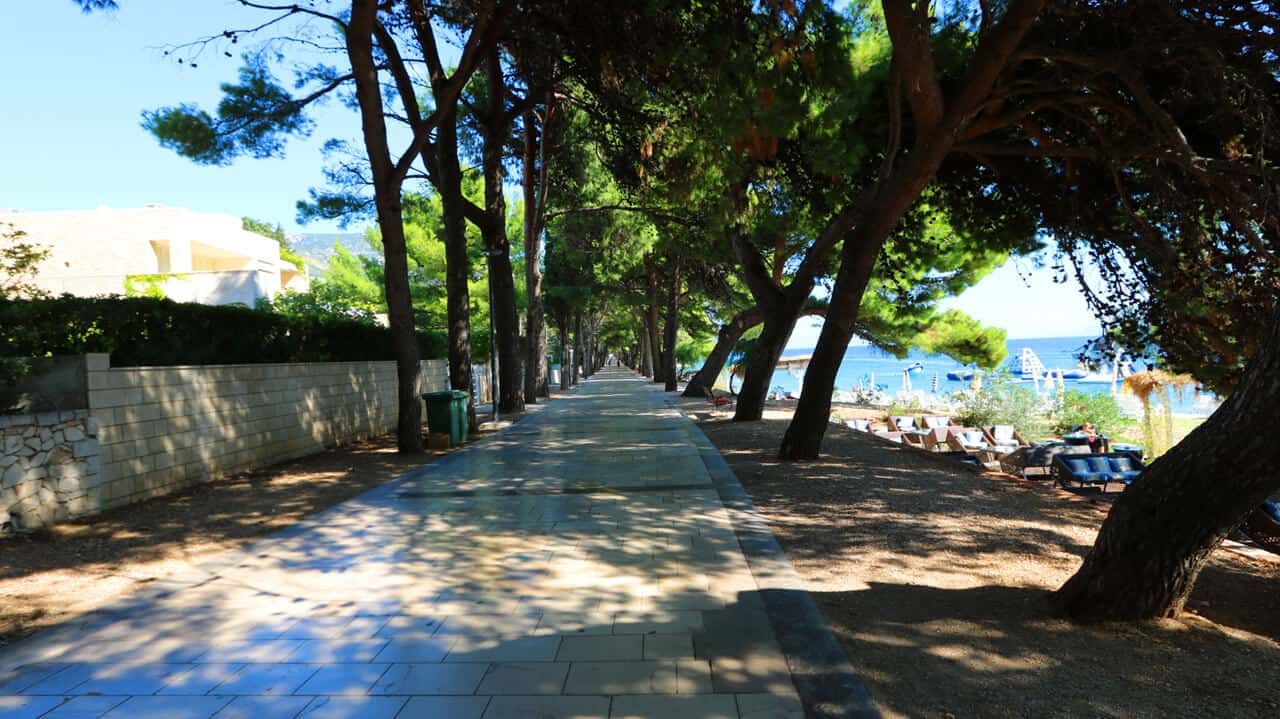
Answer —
1096 468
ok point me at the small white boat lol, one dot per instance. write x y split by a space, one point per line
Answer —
914 368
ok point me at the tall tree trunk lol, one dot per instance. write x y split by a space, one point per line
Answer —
497 247
646 357
651 321
728 336
391 224
938 125
778 325
1162 529
535 366
565 359
803 438
588 343
577 344
671 330
457 262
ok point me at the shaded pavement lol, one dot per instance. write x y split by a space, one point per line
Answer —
579 564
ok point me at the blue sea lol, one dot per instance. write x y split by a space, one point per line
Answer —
863 362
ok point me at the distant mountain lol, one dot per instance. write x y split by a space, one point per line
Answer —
317 247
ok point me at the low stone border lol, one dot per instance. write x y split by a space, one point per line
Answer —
828 684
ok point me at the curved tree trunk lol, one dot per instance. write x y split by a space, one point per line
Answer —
671 330
728 336
510 388
457 263
937 123
651 321
1160 532
760 362
391 224
803 438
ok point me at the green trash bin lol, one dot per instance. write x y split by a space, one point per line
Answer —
447 414
460 413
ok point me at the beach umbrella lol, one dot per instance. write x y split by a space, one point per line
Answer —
1157 382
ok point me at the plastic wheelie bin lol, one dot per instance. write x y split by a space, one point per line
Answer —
447 414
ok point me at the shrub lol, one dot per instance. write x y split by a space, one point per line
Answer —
148 331
1002 401
1073 408
904 408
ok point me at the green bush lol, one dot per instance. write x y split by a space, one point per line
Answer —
905 408
1073 408
1002 401
148 331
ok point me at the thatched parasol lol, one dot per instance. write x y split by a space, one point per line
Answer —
1157 382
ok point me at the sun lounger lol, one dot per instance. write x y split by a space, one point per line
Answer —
904 424
1096 469
935 439
1263 526
961 456
862 425
1004 438
891 436
966 439
935 421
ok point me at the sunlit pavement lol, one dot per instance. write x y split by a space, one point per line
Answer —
579 564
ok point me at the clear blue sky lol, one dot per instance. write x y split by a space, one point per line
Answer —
70 138
75 87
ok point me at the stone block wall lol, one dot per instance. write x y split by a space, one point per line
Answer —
149 431
163 428
50 468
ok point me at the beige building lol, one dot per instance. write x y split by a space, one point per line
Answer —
189 256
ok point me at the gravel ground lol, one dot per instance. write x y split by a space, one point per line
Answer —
935 579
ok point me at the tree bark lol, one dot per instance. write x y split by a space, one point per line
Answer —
390 223
728 336
535 366
937 130
564 352
457 270
497 247
803 439
646 357
651 321
1162 529
778 325
577 344
671 330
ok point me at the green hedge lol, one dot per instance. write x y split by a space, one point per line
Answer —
146 331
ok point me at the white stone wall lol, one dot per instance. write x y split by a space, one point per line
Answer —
150 431
50 468
163 428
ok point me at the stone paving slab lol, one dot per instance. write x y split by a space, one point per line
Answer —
579 564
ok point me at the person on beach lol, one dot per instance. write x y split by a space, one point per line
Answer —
1097 442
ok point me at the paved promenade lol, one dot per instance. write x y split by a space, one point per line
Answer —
579 564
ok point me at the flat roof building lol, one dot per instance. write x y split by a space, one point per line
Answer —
188 256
